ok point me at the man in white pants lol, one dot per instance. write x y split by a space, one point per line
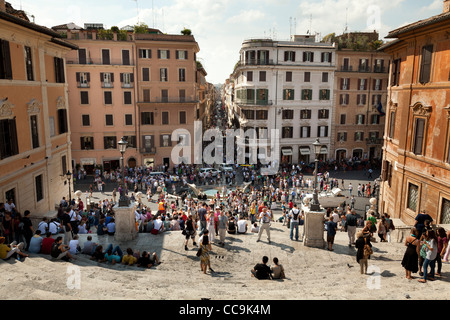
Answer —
265 218
222 225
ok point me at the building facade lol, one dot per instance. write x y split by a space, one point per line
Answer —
416 160
287 86
360 102
35 140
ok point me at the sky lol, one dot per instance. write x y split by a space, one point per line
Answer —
220 26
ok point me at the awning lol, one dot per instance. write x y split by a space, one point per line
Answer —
286 152
305 151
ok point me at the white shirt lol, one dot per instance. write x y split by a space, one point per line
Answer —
53 227
335 216
241 224
73 244
291 214
157 224
42 226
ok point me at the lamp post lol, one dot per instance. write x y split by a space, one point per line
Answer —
314 204
69 176
124 201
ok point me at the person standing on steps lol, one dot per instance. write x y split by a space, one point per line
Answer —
265 218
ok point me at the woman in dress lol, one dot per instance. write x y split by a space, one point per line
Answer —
205 261
210 225
411 259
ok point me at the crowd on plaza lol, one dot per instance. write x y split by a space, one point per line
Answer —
233 210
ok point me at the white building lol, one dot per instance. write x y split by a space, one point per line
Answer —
287 85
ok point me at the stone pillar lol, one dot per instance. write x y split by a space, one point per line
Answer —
314 229
125 223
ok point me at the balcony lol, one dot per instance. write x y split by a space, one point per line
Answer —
374 141
378 69
254 102
149 150
170 100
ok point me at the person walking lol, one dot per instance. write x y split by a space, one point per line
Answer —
361 257
351 224
265 218
205 261
222 226
190 231
294 215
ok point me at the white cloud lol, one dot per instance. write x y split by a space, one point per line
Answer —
247 16
435 5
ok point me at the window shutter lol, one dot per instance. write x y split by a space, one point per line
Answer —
312 57
293 56
112 76
102 77
121 77
358 99
131 77
88 77
159 54
140 53
322 58
304 56
425 68
285 56
348 84
168 54
176 57
342 83
77 76
186 57
5 69
326 131
419 136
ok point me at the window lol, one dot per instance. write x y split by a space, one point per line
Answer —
145 74
376 99
59 70
182 75
82 56
249 75
148 142
419 136
85 120
127 97
307 77
343 119
323 114
165 117
346 65
305 132
83 79
128 119
359 119
146 95
324 76
8 138
378 65
166 140
126 57
326 57
107 79
377 84
322 131
395 72
425 64
363 65
262 95
108 97
109 119
324 94
289 56
105 56
87 143
305 114
248 114
262 76
445 211
375 119
182 95
359 136
163 76
64 165
62 121
362 84
288 76
342 136
413 197
181 54
84 95
147 118
343 99
182 117
306 94
288 94
163 54
127 79
164 95
110 142
361 99
288 114
262 114
287 132
145 53
29 63
39 188
308 56
131 141
34 131
51 123
345 83
392 125
5 60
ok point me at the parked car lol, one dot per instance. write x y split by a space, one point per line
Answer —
214 172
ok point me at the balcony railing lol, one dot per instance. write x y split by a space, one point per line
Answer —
374 141
379 69
149 150
254 102
256 62
113 62
169 100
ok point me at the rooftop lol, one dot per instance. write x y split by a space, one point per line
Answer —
419 24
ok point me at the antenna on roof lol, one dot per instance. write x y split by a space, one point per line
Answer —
310 24
346 20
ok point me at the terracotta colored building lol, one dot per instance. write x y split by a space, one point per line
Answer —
35 137
360 86
416 161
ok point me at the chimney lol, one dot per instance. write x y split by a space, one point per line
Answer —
446 6
2 6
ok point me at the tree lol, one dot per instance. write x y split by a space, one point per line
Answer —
141 28
186 32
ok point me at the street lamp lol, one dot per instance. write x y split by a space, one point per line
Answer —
314 204
69 176
123 200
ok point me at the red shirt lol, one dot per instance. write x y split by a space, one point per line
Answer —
46 246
